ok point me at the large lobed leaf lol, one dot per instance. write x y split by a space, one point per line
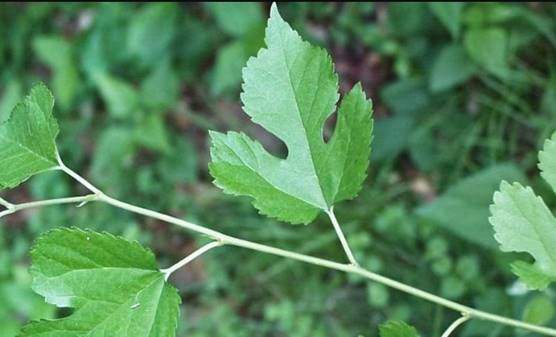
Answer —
27 138
523 223
291 89
113 284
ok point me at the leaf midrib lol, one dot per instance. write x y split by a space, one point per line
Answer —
298 115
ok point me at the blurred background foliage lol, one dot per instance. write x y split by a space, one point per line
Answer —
464 95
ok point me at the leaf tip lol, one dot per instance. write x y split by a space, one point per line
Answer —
274 13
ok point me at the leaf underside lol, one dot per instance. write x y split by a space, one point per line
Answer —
523 223
547 161
290 88
114 286
27 138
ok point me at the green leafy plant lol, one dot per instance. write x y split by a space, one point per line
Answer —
115 286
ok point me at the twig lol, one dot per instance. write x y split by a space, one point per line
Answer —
6 204
464 318
168 271
59 201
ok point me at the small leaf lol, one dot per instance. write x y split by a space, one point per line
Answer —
407 19
408 97
451 67
57 53
449 13
160 90
523 223
152 133
230 59
111 164
547 161
397 329
10 96
531 275
113 284
238 18
463 208
489 48
491 13
151 32
227 69
120 97
291 89
539 310
387 147
28 138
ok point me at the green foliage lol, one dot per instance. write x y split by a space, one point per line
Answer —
449 13
451 67
113 284
547 162
27 139
153 25
489 48
463 208
236 19
539 310
523 223
121 98
12 94
244 22
58 54
315 175
440 116
397 329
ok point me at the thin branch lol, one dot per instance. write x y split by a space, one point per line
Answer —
341 236
348 268
35 204
6 204
464 318
168 271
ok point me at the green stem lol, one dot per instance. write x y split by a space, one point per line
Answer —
455 325
6 204
36 204
232 241
168 271
341 236
77 177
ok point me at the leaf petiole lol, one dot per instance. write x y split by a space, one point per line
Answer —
464 318
342 237
77 177
168 271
